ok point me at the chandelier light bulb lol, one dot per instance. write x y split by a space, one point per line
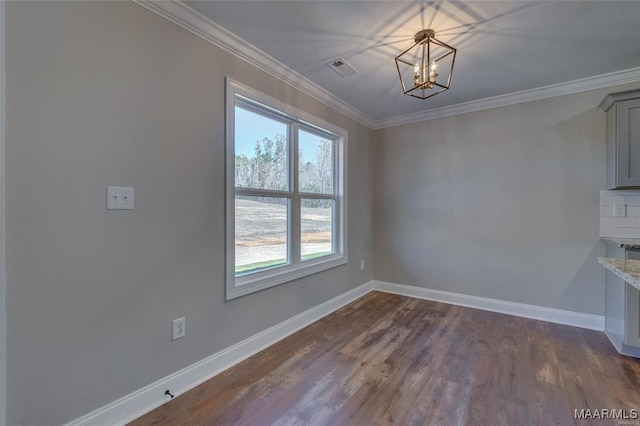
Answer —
433 72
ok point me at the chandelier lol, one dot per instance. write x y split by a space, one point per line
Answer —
425 68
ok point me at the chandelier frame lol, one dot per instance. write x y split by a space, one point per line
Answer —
425 84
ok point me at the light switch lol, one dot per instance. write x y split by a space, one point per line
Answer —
119 198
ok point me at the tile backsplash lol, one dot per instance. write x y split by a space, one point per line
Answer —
625 226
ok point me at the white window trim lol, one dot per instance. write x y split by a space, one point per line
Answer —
250 283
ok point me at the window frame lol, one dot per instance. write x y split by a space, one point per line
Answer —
296 119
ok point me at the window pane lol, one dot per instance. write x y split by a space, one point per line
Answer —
260 151
315 159
261 233
316 228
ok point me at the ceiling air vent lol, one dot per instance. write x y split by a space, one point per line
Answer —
342 67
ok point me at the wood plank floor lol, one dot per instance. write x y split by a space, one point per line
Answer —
388 359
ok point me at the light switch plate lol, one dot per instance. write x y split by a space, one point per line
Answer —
119 198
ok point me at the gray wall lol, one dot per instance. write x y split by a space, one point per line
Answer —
107 93
500 203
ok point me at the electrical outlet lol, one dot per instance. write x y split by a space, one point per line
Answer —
119 198
362 265
619 210
179 329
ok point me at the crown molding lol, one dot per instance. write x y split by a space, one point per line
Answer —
580 85
612 98
203 27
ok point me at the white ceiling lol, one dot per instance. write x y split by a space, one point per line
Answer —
503 46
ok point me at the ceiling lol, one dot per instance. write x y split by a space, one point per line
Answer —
503 46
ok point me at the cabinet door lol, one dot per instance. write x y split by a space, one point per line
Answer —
632 320
627 131
631 335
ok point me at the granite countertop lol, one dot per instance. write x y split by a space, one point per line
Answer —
627 269
625 243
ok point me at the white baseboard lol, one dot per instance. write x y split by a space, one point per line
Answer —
152 396
621 347
576 319
140 402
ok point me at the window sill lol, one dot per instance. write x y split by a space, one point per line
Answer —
251 283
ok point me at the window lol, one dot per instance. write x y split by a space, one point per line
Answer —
286 203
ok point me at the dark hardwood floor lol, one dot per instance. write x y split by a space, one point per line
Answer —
388 359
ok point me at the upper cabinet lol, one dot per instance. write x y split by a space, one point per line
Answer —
623 139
